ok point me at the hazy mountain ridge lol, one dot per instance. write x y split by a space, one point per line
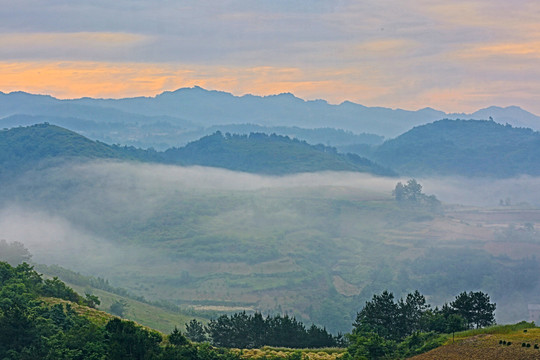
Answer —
463 147
197 107
24 147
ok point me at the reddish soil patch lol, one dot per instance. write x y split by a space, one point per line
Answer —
481 347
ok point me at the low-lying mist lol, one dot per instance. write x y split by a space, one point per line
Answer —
298 243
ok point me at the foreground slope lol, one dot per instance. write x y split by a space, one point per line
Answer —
500 342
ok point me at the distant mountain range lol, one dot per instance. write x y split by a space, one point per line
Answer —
175 118
24 148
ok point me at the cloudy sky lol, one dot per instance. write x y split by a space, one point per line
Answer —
456 56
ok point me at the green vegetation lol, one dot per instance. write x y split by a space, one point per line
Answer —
268 154
30 328
243 331
312 252
411 194
35 326
462 147
160 315
267 244
24 148
388 329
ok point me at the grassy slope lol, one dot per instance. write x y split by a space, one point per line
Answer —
151 316
484 344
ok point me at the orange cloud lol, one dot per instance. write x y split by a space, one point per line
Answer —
95 39
514 49
367 85
115 80
78 79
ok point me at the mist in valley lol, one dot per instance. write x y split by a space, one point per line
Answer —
309 244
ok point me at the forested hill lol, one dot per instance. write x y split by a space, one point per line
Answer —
463 147
268 154
23 148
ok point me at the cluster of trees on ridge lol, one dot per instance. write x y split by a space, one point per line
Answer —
386 328
411 194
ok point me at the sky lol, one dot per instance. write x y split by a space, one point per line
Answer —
455 56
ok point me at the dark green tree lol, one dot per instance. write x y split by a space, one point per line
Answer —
129 341
475 308
56 288
412 311
195 331
380 316
177 339
454 323
370 346
119 308
91 300
411 194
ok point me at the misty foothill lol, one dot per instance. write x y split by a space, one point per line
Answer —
263 221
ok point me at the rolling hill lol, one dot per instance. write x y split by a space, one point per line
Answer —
463 147
25 147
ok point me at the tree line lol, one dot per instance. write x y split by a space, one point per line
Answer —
244 331
386 328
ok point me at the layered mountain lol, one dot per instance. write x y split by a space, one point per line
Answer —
174 118
27 147
463 147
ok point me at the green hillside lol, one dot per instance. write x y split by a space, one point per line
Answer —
268 154
24 148
162 317
45 319
463 147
